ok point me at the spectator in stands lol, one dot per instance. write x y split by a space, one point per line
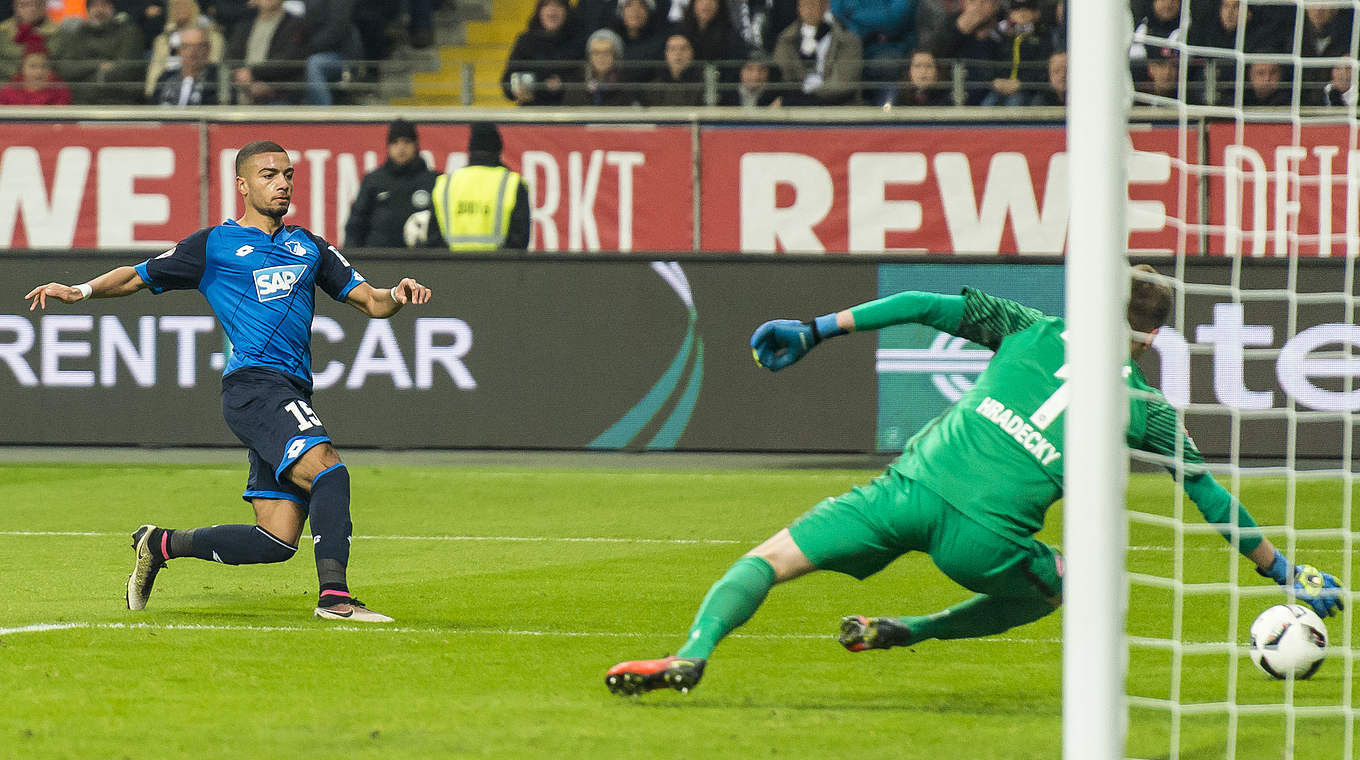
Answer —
1220 29
1326 34
1021 55
1264 86
923 86
602 82
35 84
229 13
103 53
268 47
420 23
595 14
1338 90
760 21
548 50
972 35
681 82
390 194
644 38
1160 72
888 34
1056 92
754 88
1162 19
332 43
165 48
197 81
818 60
708 25
1057 27
21 33
147 15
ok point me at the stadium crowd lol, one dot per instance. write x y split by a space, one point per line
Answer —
753 53
903 52
198 52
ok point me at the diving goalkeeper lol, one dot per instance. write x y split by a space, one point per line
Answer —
971 488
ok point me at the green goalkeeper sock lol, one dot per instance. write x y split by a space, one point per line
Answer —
729 603
980 616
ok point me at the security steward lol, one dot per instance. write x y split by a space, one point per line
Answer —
481 207
389 194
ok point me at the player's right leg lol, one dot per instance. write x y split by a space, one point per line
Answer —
837 534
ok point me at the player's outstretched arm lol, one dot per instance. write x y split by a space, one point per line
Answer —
781 342
381 303
122 281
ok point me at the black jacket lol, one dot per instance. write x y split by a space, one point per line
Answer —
387 197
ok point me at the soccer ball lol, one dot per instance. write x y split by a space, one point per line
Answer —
1288 640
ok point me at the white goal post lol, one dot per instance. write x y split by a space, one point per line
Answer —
1096 466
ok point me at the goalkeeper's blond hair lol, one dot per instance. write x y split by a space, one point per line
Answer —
1149 300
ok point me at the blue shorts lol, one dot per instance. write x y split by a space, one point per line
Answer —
272 415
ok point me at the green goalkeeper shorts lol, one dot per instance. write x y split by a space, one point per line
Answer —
861 532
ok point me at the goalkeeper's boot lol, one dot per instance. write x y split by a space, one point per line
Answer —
347 608
859 633
629 679
144 571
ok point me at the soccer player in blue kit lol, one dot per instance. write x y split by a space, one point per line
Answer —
259 276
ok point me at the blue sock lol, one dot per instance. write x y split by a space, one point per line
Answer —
234 545
331 527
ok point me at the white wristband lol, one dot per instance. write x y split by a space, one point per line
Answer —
392 291
85 290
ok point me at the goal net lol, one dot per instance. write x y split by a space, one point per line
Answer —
1260 361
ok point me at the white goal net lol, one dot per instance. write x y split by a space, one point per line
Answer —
1260 361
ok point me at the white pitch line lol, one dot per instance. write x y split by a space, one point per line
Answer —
321 627
536 539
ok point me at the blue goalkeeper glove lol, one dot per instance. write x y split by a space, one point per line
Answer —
1313 587
781 342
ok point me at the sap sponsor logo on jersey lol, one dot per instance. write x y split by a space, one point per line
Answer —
276 282
1321 352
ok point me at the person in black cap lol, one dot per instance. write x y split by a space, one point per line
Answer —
391 193
481 207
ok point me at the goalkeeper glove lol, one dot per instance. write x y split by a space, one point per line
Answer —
781 342
1313 587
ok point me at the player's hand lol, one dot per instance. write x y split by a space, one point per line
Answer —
410 291
40 294
781 342
1317 589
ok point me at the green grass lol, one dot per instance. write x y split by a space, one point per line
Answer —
501 645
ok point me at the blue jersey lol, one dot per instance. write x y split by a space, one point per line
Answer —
260 286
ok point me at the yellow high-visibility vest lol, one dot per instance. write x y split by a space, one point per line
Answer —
473 206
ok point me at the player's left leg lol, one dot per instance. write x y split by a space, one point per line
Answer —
320 473
1017 583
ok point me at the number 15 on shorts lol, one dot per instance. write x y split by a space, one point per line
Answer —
306 418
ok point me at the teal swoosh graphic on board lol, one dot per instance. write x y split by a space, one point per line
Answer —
621 433
676 423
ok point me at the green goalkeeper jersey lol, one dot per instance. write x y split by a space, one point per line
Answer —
997 454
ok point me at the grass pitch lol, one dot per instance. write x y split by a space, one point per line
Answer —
515 589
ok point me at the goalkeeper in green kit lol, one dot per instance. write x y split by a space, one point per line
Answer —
970 489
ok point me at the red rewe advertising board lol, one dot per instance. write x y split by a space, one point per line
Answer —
91 185
969 189
596 187
1276 190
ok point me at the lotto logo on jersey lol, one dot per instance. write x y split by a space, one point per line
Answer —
277 282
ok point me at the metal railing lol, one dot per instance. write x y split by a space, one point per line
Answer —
960 82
